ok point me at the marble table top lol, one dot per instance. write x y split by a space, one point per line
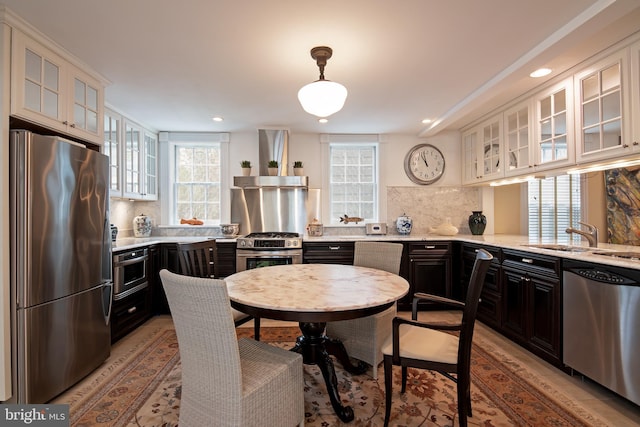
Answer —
315 287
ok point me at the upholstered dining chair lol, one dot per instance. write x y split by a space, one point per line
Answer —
228 381
426 345
363 337
200 259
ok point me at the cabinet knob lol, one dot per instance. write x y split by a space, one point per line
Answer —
73 125
334 248
636 142
429 247
132 310
64 122
527 260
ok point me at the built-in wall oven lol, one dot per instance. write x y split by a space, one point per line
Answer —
130 269
265 249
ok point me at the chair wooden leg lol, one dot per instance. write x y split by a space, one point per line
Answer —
404 379
388 387
464 403
256 328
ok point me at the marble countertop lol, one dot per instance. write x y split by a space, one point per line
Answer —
516 242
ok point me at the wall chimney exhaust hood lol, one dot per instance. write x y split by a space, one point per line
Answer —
273 144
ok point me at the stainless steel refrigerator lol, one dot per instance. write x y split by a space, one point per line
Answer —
60 264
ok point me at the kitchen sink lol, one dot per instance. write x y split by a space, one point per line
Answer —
563 248
634 256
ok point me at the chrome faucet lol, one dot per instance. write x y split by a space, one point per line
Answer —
591 234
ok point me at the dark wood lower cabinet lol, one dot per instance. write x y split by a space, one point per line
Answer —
531 303
490 306
430 271
129 313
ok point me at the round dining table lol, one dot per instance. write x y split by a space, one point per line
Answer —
312 295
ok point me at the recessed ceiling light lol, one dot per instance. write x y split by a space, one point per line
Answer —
540 72
217 119
323 120
426 121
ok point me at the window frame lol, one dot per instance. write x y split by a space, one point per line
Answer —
371 140
168 142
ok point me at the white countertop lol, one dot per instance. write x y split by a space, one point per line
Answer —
517 242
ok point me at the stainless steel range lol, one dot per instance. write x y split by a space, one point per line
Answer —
264 249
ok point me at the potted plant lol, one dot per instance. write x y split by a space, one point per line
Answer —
298 169
273 167
246 167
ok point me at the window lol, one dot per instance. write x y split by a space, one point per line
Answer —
554 205
196 178
353 180
196 182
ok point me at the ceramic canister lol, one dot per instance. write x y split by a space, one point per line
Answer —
142 226
404 224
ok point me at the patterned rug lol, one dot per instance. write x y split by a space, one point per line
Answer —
143 389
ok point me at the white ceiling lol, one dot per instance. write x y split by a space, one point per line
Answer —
173 65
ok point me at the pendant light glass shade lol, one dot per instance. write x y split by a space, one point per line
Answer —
322 98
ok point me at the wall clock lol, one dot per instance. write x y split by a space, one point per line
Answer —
424 164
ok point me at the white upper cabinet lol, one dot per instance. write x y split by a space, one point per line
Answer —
112 147
518 148
601 110
554 137
48 90
482 151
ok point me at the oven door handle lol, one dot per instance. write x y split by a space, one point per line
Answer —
130 261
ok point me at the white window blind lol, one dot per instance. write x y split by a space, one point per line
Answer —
197 182
554 204
353 181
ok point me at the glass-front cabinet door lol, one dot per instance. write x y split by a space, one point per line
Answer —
635 95
554 142
470 143
132 160
150 183
491 132
517 132
111 147
600 103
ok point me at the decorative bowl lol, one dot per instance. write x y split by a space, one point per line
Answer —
228 230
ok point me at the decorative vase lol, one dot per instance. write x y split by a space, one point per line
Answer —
477 223
404 224
246 171
273 171
142 226
298 171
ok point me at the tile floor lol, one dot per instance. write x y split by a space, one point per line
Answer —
608 406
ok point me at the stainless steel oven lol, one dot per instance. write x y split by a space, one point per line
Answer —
130 270
265 249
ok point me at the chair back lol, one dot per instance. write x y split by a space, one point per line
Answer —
381 255
207 340
476 283
199 259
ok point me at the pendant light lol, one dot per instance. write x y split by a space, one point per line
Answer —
323 97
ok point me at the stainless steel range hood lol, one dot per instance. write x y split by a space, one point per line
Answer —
273 203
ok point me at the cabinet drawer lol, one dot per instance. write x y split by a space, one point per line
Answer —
429 248
129 313
328 252
532 263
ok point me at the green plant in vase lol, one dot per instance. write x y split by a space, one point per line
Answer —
298 168
273 167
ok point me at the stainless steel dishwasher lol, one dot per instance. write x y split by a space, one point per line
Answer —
601 325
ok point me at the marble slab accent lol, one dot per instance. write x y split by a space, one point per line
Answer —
315 287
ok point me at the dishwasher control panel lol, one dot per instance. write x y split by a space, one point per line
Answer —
602 276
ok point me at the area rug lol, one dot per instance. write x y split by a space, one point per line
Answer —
144 390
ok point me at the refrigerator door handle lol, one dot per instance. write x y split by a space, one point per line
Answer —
107 301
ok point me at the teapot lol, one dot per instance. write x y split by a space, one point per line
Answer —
445 229
404 224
